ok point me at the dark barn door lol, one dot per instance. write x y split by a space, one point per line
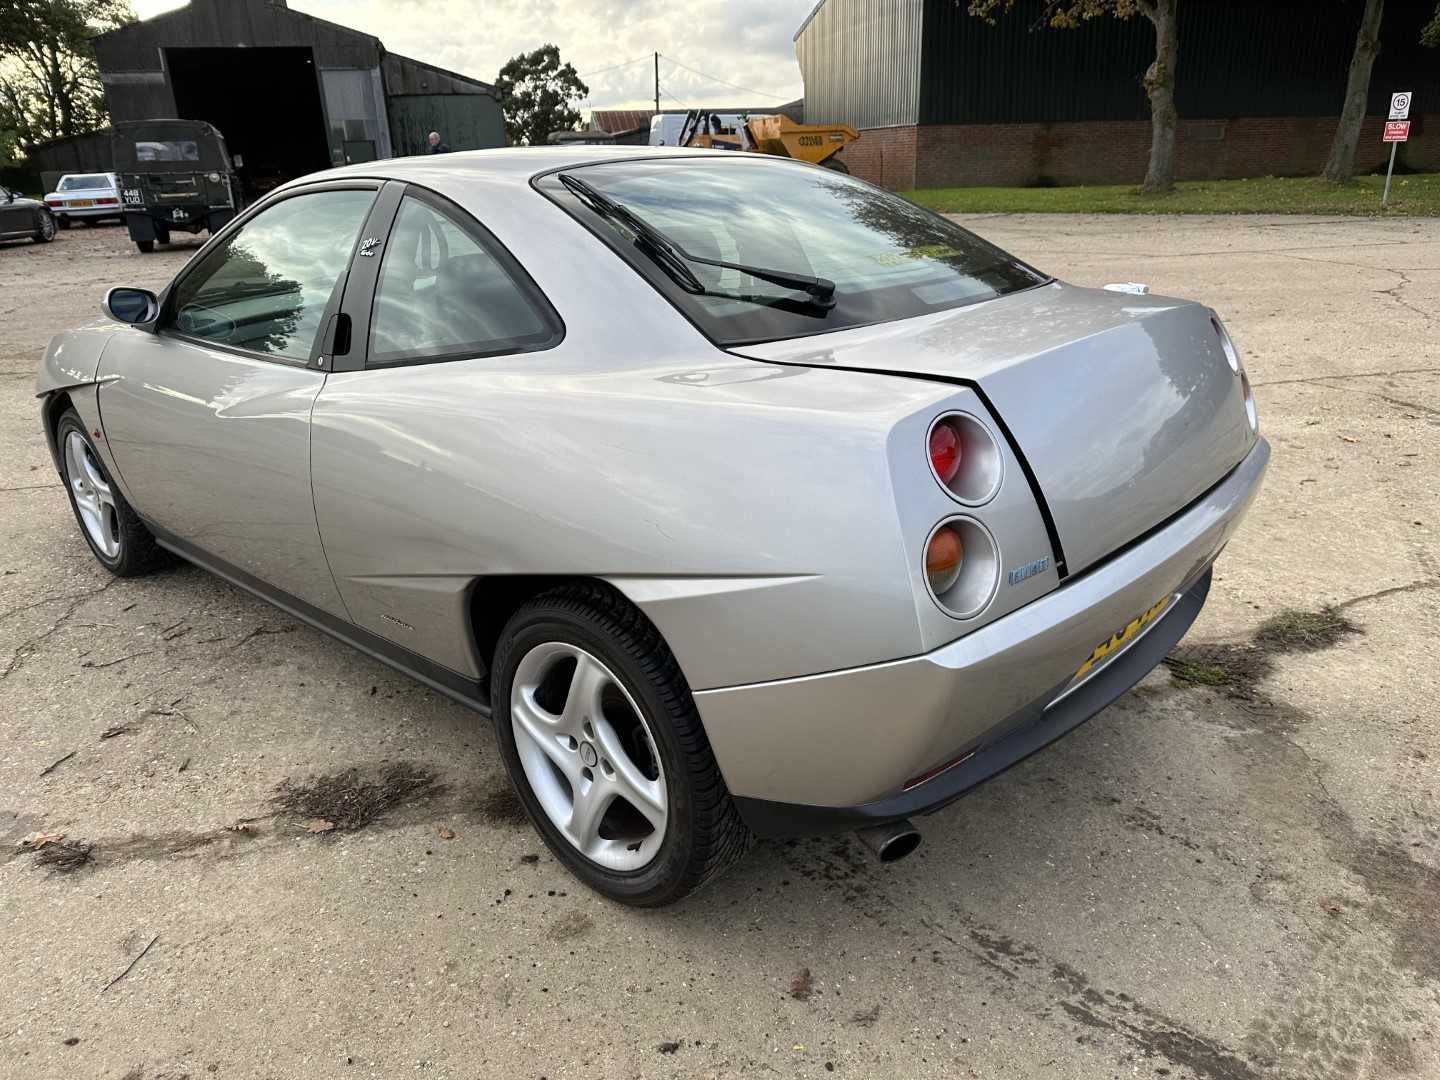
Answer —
265 101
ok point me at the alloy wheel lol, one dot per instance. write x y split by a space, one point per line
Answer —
94 497
589 756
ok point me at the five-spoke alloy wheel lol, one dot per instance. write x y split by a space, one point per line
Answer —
588 755
115 533
601 738
94 498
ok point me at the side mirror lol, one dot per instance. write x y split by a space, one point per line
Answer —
133 307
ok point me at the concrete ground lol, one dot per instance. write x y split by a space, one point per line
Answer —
1232 873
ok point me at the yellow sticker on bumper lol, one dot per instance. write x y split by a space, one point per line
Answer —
1121 638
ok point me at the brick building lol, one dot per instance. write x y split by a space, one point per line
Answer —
944 99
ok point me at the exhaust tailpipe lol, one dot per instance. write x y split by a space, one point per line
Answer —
891 842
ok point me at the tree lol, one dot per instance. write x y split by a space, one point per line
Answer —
1159 80
536 94
1341 164
1431 34
49 84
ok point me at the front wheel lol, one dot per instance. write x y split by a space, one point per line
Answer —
116 535
145 246
601 738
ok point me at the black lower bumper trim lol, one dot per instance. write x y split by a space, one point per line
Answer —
1028 730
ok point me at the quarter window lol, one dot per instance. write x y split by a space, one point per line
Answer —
266 289
445 294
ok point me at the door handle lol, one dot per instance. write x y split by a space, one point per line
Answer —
337 336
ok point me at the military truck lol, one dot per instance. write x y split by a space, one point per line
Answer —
175 175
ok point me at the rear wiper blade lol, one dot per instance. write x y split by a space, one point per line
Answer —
821 291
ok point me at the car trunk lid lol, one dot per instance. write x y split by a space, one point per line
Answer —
1124 407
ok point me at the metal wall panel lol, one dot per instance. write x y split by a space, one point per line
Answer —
225 23
861 62
464 121
1237 58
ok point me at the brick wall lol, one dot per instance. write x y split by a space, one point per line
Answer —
884 156
1116 152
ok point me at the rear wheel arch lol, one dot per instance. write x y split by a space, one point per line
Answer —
493 600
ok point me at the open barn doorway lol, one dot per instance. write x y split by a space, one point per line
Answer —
265 101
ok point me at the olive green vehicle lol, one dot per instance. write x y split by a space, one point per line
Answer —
175 176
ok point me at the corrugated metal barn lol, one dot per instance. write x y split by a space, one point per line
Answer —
943 98
291 93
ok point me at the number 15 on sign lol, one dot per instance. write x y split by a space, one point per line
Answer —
1397 130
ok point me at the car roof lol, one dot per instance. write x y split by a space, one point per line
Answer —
514 164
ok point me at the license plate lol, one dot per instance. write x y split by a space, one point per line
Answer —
82 202
1112 646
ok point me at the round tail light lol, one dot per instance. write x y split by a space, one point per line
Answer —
944 557
945 452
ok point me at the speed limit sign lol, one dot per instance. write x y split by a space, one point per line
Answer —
1400 105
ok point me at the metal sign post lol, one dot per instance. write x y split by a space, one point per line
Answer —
1397 130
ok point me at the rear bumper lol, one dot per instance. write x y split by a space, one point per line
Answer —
829 752
88 211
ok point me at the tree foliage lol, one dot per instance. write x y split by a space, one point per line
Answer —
1431 34
538 95
1159 80
49 84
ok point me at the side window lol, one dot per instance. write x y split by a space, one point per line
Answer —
266 288
442 293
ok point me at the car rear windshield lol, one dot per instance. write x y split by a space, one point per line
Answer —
84 183
167 150
887 258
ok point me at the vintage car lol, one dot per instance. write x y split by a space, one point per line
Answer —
22 218
175 176
87 197
748 499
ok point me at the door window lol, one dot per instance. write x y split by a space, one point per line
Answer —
266 289
446 294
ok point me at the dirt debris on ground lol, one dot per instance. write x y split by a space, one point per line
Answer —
353 798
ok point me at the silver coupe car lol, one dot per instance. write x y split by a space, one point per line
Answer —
748 499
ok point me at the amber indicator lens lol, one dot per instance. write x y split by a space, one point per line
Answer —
943 558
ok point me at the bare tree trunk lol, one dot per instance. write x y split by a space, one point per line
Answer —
1160 86
1341 165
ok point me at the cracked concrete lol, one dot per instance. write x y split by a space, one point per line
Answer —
1198 884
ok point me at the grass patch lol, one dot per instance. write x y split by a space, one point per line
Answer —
1197 672
1417 194
1304 631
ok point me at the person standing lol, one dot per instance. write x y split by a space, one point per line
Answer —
436 146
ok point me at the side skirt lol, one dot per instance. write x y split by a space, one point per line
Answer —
452 684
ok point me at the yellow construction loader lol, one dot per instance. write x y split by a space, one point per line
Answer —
777 135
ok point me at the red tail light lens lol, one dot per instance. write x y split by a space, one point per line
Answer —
943 558
945 450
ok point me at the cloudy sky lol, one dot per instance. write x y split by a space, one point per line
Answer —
746 43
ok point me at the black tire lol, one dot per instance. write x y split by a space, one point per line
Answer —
162 234
704 832
44 228
835 164
138 554
63 222
145 246
89 222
